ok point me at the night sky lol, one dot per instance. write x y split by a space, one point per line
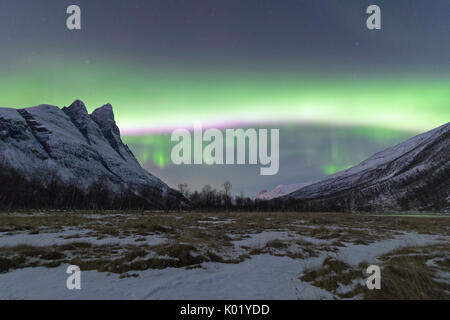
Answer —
164 64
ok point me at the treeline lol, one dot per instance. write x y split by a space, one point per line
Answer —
49 192
18 191
210 199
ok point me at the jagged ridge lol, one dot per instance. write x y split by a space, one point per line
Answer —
46 141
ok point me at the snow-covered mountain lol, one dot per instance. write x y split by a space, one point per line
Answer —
413 175
45 142
281 190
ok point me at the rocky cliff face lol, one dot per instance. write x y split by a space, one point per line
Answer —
45 142
414 175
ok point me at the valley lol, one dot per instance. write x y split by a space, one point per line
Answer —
202 255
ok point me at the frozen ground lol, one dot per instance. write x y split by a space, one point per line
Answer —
72 234
263 257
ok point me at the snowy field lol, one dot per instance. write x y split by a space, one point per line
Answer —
223 256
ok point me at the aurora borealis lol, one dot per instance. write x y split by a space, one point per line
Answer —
338 91
307 153
152 101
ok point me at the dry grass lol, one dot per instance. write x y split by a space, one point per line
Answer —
331 275
194 238
405 274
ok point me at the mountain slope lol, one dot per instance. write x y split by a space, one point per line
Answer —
46 143
281 190
413 175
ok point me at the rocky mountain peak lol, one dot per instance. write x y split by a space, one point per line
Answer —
104 117
79 116
76 108
76 148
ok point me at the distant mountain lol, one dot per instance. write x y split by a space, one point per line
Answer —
71 147
281 190
413 175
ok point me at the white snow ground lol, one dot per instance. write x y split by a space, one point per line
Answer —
260 277
65 237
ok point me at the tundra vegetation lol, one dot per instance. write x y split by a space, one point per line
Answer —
333 250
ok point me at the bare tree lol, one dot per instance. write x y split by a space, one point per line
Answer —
227 188
183 188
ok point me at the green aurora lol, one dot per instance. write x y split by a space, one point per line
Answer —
147 99
337 91
307 153
328 123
